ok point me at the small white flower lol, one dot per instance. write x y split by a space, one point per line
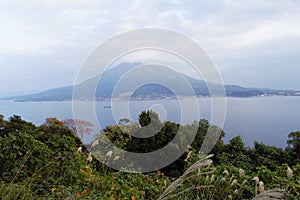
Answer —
207 178
289 172
116 158
79 149
232 177
241 172
212 178
95 143
261 186
89 158
244 182
236 191
256 179
188 156
226 172
223 179
233 182
109 154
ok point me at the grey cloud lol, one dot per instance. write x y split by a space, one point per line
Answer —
245 39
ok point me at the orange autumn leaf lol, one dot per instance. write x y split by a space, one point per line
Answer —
77 195
83 192
80 127
149 179
133 198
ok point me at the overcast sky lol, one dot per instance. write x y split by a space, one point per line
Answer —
253 43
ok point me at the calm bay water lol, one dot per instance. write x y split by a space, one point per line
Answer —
265 119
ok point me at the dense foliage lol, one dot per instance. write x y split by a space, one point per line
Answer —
50 162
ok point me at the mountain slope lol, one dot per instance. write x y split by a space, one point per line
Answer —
154 83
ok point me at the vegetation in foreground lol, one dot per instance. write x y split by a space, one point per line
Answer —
50 162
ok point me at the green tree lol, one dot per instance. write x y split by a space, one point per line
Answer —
202 129
53 127
236 154
269 156
2 123
147 117
294 143
16 124
21 156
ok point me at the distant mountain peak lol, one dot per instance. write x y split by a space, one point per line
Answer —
151 76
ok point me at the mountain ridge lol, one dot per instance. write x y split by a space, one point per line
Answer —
151 90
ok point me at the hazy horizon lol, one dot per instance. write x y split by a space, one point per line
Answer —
16 93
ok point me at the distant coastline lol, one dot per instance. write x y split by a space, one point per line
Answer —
159 87
142 98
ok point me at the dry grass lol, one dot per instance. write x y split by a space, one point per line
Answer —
202 163
270 194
